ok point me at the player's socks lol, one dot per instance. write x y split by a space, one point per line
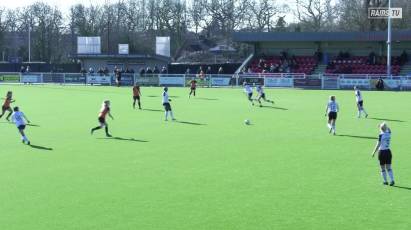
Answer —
366 114
333 128
106 129
171 115
359 114
94 129
8 116
384 176
391 175
166 114
139 105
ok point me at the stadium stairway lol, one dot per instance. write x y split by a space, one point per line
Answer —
320 69
406 69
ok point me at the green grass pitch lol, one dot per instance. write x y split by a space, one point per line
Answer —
208 170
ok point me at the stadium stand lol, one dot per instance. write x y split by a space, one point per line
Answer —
361 65
280 64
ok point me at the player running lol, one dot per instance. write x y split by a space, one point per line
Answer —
136 96
20 119
261 95
384 153
358 98
6 105
249 91
105 110
167 106
193 87
332 110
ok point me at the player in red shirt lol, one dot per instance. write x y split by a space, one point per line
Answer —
193 86
105 110
6 105
136 96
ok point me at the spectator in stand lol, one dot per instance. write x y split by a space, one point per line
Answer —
131 70
188 71
250 70
91 71
164 70
83 71
318 55
209 71
403 57
100 71
142 72
261 63
220 70
105 71
149 71
22 69
272 68
156 70
28 69
371 58
266 68
117 74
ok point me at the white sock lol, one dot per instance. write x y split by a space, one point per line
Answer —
333 127
171 114
328 125
390 173
359 113
166 115
384 175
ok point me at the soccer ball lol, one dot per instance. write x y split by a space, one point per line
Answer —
247 122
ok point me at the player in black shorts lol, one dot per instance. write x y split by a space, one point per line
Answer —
384 153
136 96
261 95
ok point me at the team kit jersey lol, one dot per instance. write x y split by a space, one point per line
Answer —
260 91
193 84
248 89
332 106
18 119
384 152
136 92
358 96
384 139
103 113
165 97
6 103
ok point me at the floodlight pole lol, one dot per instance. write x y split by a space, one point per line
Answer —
389 41
29 43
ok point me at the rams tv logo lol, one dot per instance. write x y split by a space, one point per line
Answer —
384 12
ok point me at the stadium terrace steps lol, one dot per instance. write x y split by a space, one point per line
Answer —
320 69
359 65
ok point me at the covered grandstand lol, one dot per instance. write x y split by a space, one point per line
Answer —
325 52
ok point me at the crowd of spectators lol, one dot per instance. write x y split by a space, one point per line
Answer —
105 71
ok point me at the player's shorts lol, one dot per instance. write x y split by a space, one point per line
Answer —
193 88
4 108
332 116
384 156
21 127
136 97
250 95
262 96
167 106
359 103
102 120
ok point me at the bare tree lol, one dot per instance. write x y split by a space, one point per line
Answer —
315 15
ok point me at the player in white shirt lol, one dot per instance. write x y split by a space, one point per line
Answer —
332 110
166 104
249 91
20 119
261 95
358 98
384 153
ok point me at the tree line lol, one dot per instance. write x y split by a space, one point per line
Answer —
138 22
